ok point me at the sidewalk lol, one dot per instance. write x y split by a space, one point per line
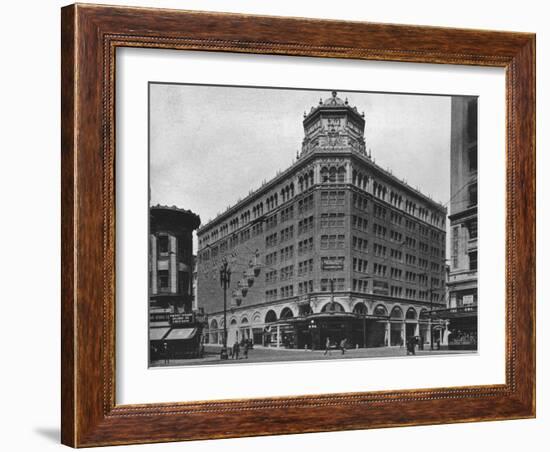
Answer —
261 354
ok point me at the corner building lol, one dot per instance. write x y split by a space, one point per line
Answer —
334 246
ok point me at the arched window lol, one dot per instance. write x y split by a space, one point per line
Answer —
341 175
332 175
380 310
396 313
332 307
324 174
360 308
270 317
411 314
286 313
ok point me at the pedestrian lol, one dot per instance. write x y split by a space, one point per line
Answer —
165 353
343 345
327 346
245 350
236 350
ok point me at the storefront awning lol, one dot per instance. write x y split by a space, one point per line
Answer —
156 334
177 334
455 313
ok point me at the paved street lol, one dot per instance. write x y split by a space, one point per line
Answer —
260 354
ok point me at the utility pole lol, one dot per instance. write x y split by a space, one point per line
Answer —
225 280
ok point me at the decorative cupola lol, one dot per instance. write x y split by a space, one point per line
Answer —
333 125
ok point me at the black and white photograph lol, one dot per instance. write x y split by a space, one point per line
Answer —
292 224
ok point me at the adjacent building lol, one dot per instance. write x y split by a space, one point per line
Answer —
462 284
173 327
333 247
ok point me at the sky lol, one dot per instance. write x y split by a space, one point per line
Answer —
211 145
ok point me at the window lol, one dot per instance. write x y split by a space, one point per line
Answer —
396 254
379 231
472 120
271 295
163 279
287 291
287 273
305 287
245 235
360 223
305 246
472 195
287 234
360 244
163 242
333 241
396 218
305 225
396 236
271 240
473 260
380 250
271 222
472 228
333 198
361 285
379 269
287 253
332 220
396 291
271 277
472 158
338 284
396 273
379 211
360 265
287 214
305 204
305 267
271 259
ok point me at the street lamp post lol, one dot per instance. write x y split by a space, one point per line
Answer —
365 278
225 280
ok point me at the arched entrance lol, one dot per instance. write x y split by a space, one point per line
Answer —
214 332
424 328
360 325
411 325
397 327
270 332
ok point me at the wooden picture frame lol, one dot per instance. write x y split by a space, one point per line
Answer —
90 35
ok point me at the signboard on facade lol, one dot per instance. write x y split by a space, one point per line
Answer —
180 319
467 300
